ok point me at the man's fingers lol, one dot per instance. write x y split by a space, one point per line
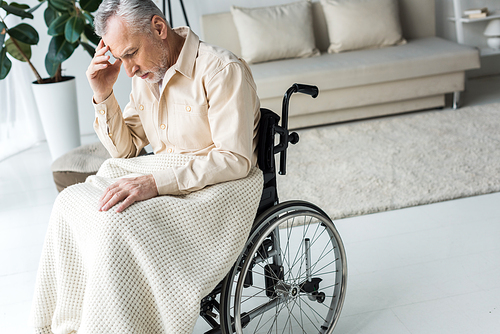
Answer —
126 203
108 191
104 199
96 68
97 64
113 200
101 59
101 48
107 197
129 191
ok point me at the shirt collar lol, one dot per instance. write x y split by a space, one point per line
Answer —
189 52
185 62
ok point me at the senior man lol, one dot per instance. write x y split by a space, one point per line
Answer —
119 257
187 97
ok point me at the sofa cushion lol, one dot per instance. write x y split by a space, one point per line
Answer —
276 32
362 24
418 58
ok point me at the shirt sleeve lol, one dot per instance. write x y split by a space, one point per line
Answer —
234 114
121 134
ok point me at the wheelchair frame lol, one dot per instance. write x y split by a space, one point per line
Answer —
267 213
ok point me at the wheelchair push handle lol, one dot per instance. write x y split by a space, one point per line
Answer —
307 89
285 136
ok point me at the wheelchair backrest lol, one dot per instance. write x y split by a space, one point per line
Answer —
265 157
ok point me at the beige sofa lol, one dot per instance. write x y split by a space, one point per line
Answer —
364 83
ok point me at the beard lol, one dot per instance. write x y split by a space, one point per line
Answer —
158 71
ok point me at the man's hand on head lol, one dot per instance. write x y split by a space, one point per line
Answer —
101 74
128 191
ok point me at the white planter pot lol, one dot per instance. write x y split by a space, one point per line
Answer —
58 108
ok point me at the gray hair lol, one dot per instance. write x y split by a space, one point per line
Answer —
137 14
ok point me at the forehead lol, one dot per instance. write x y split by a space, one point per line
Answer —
119 37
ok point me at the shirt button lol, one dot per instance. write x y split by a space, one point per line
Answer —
163 126
169 150
102 112
110 135
188 108
141 107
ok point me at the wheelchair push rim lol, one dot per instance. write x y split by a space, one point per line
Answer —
298 271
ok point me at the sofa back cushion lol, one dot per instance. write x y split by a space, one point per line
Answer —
275 32
417 20
362 24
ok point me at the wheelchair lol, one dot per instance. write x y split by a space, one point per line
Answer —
292 273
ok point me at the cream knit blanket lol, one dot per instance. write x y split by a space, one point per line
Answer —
144 270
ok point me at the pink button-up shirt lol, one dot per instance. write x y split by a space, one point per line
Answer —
208 107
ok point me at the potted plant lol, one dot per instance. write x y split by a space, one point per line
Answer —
70 23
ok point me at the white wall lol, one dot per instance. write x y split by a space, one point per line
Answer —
79 61
473 32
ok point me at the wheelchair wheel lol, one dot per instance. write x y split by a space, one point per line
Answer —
291 277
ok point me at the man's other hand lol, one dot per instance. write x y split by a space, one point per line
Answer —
128 191
101 74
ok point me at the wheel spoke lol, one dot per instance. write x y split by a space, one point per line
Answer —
312 322
312 309
289 315
301 318
326 265
285 312
300 248
301 324
260 319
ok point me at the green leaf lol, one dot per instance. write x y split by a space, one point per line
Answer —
89 48
73 29
56 28
51 66
16 11
3 32
5 64
90 34
19 5
89 18
59 50
37 6
62 5
49 15
90 5
25 33
14 51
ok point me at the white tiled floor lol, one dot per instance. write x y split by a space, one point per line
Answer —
427 269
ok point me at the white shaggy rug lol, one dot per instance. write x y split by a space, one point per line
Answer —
394 162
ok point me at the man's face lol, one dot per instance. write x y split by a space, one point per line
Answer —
143 55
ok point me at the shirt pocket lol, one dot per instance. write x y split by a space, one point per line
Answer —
191 128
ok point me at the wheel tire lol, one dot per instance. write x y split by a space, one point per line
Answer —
280 275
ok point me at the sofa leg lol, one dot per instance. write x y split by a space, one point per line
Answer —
456 100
